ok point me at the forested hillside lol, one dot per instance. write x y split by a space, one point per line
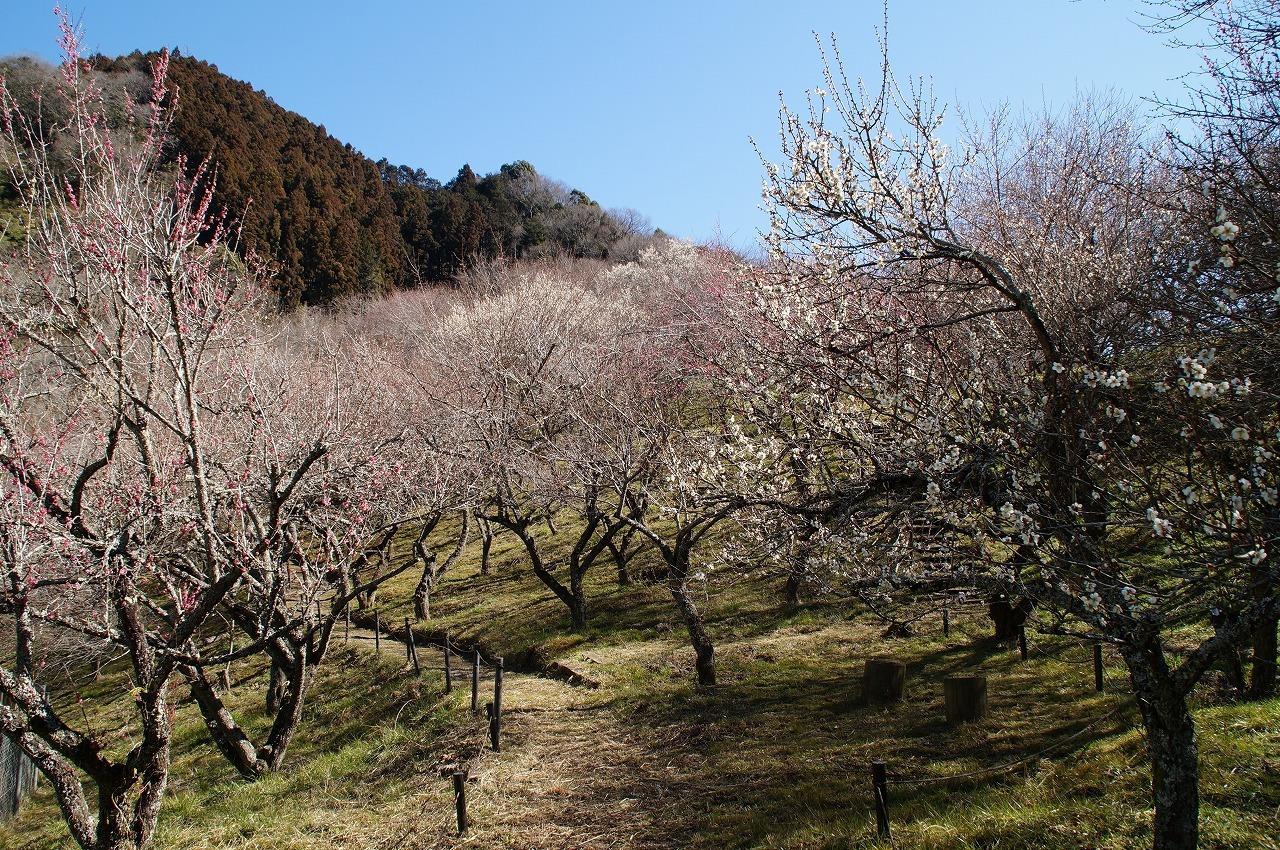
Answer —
331 220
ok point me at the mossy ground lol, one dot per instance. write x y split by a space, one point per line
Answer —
776 756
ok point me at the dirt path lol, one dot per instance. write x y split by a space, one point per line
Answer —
569 776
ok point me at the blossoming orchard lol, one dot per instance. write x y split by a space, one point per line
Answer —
1033 365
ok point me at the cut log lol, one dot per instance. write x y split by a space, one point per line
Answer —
883 679
566 673
965 698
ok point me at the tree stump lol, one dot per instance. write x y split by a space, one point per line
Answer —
965 698
883 679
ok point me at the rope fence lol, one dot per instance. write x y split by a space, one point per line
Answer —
473 666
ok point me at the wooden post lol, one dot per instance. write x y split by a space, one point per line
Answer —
965 698
1097 667
460 799
475 680
497 703
880 788
346 622
1022 642
413 649
946 623
493 730
448 666
883 679
377 632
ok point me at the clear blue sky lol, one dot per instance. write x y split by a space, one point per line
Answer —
646 105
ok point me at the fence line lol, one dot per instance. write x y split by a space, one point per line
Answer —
18 777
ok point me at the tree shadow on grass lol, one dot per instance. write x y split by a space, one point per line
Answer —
786 748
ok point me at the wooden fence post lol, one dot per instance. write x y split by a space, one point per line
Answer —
1097 667
1022 642
497 704
946 623
413 649
475 680
880 788
460 798
377 632
493 734
346 622
448 666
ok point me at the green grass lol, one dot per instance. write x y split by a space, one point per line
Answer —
776 756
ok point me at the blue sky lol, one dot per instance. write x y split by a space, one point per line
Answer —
641 105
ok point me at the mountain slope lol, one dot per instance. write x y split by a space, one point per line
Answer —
332 222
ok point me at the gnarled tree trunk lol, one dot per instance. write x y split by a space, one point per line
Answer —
1171 746
704 650
430 572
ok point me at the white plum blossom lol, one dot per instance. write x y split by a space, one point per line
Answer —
1159 526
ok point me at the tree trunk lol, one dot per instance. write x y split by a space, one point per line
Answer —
422 596
1171 741
1171 747
964 698
250 760
578 610
129 800
1007 615
703 649
290 714
227 735
791 590
275 687
1262 676
486 545
620 561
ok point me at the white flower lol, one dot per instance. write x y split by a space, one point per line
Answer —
1239 433
1160 527
1216 422
1227 231
1059 368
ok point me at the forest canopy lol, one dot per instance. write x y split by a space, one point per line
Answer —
333 222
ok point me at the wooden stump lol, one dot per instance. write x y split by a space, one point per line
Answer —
883 679
965 698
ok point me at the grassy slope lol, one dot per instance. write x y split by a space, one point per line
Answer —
776 756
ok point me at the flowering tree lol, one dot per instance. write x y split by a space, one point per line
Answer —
1014 319
1235 109
118 524
313 530
658 440
166 463
525 364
